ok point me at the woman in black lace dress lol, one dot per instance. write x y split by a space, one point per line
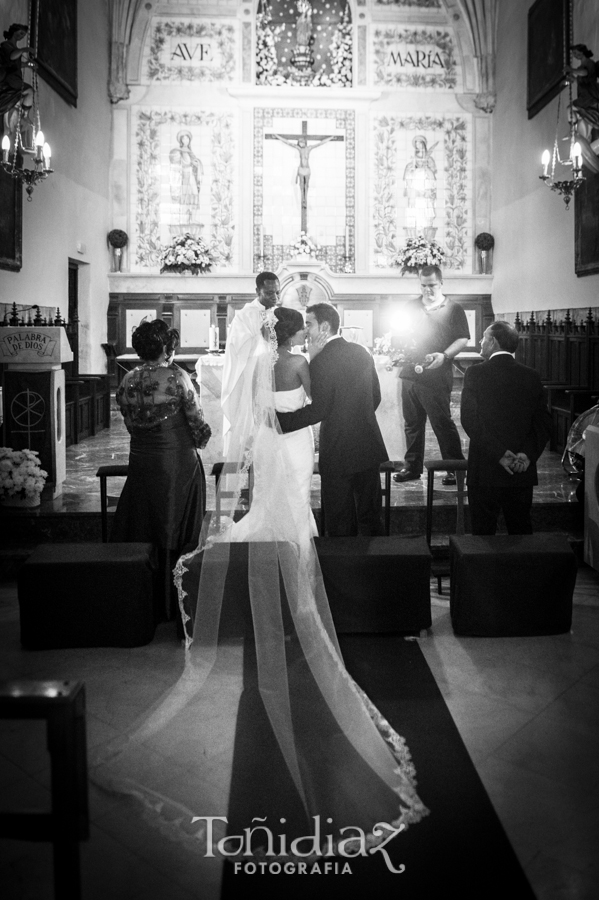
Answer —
164 498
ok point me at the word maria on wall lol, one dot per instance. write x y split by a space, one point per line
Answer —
190 50
415 58
407 57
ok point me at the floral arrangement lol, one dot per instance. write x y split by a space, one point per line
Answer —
417 253
484 241
188 253
304 246
21 474
382 345
117 238
407 354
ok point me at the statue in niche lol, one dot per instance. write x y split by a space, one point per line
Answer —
420 189
186 172
303 28
302 59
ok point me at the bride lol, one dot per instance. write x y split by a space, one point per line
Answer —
343 762
292 390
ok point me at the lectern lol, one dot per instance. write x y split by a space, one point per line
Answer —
34 392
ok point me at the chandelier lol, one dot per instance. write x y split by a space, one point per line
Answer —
28 141
566 186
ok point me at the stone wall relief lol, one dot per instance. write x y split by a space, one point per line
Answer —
414 58
190 49
421 185
183 181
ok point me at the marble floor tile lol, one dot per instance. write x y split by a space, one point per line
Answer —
532 804
555 880
525 707
484 723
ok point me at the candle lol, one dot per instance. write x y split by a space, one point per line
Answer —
5 148
347 241
39 145
545 161
261 242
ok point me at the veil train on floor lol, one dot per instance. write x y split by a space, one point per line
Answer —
343 761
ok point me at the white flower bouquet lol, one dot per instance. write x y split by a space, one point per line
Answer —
188 253
304 246
21 475
417 253
382 345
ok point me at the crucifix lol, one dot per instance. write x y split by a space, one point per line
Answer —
299 142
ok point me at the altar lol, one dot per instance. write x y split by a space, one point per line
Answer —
210 376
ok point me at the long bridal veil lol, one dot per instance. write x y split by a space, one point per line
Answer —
344 761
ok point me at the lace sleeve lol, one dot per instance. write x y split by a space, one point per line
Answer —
123 405
190 403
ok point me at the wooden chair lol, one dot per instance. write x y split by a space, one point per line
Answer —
440 566
103 473
62 705
387 468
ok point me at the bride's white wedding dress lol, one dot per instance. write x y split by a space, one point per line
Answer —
297 450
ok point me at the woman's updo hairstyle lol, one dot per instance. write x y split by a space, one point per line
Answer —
289 322
151 338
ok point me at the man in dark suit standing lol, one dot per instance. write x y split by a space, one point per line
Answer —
504 414
345 395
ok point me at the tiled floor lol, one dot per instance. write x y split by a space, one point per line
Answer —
81 488
527 709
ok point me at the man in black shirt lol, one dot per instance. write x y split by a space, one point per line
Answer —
440 331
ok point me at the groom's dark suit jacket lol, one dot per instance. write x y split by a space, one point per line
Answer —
345 395
503 408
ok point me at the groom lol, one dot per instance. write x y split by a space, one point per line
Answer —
345 395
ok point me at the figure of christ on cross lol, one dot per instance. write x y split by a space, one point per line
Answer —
299 142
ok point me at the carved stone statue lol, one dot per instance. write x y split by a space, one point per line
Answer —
13 89
586 75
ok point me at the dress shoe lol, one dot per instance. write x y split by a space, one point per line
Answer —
449 479
405 475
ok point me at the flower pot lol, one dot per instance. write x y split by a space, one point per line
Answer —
21 501
484 261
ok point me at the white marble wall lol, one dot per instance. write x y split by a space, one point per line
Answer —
188 73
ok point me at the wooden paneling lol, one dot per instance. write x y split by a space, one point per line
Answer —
566 355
